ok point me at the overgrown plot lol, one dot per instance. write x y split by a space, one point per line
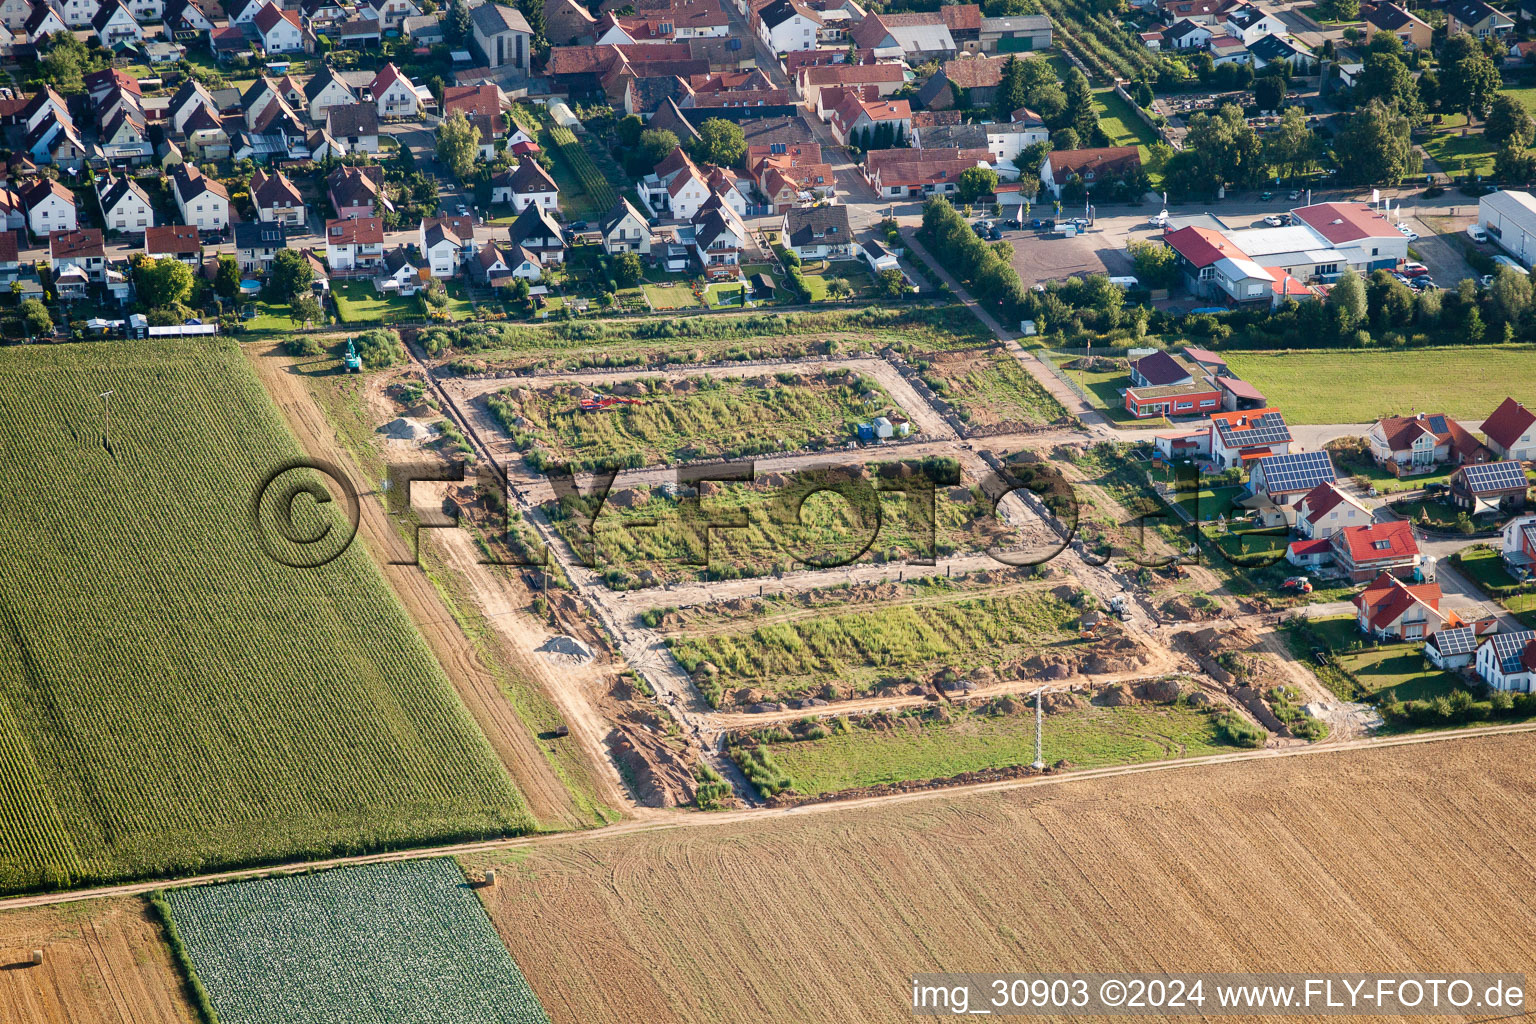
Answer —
171 698
399 943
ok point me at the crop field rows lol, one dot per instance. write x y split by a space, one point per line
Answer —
172 698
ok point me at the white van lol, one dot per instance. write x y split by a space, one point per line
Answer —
1476 233
1125 282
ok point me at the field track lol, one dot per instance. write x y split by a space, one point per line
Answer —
659 821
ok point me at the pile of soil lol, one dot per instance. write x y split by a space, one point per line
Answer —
566 650
402 429
660 777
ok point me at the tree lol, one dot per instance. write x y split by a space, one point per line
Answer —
291 275
227 281
458 21
35 315
1219 148
533 10
1064 139
1429 91
656 144
1511 293
64 63
458 144
305 309
1292 147
1012 89
1156 265
1143 94
720 142
628 130
166 282
1269 91
1469 83
1514 165
1347 296
1080 113
890 283
627 269
1373 147
1509 123
975 182
1386 42
1386 78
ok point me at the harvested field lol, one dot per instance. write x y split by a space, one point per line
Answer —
842 654
821 518
941 743
657 421
171 697
1405 858
104 962
990 390
393 943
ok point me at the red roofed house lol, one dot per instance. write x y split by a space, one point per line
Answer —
1364 552
1417 444
1364 235
1196 252
354 244
1325 510
279 30
883 78
1392 609
394 94
899 173
1093 166
1511 431
782 171
858 118
1518 546
1164 385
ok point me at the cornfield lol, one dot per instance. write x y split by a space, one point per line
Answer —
598 190
172 699
397 943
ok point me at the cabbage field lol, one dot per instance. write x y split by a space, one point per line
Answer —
394 943
171 697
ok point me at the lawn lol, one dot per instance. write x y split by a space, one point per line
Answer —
1485 567
676 293
458 302
1103 389
357 302
1123 127
1353 386
1363 669
909 749
172 699
1387 482
725 294
1461 154
694 418
1207 503
407 943
270 319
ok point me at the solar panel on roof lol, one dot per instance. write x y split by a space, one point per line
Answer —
1508 647
1298 471
1456 641
1495 476
1437 424
1267 429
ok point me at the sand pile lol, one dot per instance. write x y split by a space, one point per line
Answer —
403 429
566 650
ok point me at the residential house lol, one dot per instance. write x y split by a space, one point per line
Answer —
531 184
14 13
883 79
391 14
499 265
1390 609
1237 438
203 202
278 30
1187 35
399 274
124 134
1477 18
858 119
114 24
83 249
394 94
818 233
187 17
916 37
482 106
1159 369
356 191
963 82
1364 552
625 229
1249 23
1507 661
277 199
174 242
902 173
718 238
1451 648
1273 49
50 207
1015 33
256 242
1325 510
446 243
535 230
427 29
1511 431
358 33
44 21
10 257
1517 546
787 25
126 207
1414 33
354 244
1408 445
13 210
787 173
1093 166
1489 487
1277 482
502 36
354 127
242 11
677 187
325 90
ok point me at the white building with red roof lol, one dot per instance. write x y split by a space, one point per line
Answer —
278 30
1325 510
1391 609
1364 552
395 95
1511 431
857 116
1364 235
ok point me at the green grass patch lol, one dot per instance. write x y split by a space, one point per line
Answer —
920 746
694 418
404 942
673 295
1354 386
1121 124
989 388
1457 155
357 302
173 699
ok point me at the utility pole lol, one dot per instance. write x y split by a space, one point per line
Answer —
106 428
1039 764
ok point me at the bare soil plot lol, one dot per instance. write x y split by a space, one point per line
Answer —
990 391
1365 859
104 961
658 421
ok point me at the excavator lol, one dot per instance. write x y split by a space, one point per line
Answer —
352 361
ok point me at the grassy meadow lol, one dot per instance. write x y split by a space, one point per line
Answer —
172 698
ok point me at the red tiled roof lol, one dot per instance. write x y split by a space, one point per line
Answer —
1313 546
357 231
1077 161
851 74
1345 222
1240 388
1387 598
176 239
962 17
267 18
472 99
1378 542
1508 422
1201 246
83 243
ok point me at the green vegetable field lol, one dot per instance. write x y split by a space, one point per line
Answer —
171 698
395 943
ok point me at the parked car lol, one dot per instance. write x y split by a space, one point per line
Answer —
1407 232
1486 280
1422 284
1079 222
1266 196
995 234
1293 195
1013 225
1274 221
1413 269
1037 223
